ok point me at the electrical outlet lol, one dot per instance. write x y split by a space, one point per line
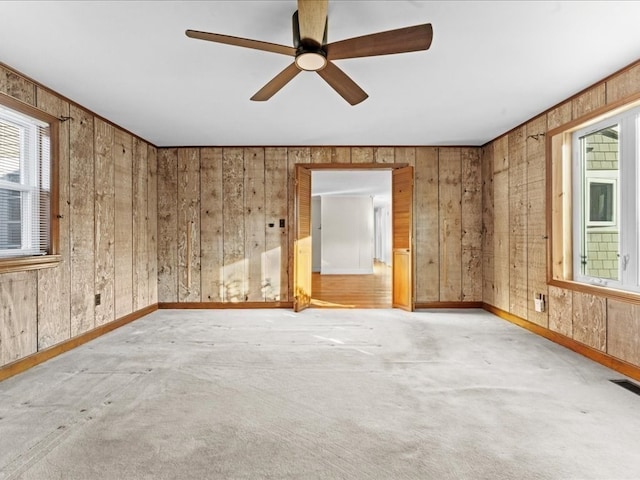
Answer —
98 299
538 303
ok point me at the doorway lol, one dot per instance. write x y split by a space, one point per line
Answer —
401 239
351 238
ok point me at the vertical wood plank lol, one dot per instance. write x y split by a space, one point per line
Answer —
590 320
140 225
320 154
518 290
188 225
104 221
471 222
501 222
488 254
623 331
623 85
450 170
81 221
536 218
17 86
405 155
427 239
54 284
589 101
211 238
234 235
167 225
362 155
559 115
340 155
276 240
383 154
294 155
18 315
123 156
254 223
561 311
152 224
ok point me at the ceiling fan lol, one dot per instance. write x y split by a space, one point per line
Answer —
312 53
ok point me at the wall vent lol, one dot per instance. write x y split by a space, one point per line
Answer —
632 387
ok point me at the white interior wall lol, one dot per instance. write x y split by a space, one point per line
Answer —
316 238
382 228
347 235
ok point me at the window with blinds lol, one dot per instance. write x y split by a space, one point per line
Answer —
25 185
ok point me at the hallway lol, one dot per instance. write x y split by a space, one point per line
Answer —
353 291
324 394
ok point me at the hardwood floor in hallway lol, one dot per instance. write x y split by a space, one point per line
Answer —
353 291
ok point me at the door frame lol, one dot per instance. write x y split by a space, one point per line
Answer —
341 166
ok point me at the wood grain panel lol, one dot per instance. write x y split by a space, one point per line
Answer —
501 223
152 224
518 291
536 250
623 85
123 155
589 101
18 315
17 86
623 331
488 288
590 320
189 225
54 284
254 223
427 234
211 217
450 198
471 222
167 225
140 225
561 311
320 154
276 238
405 155
294 155
302 246
234 271
362 155
559 115
81 225
104 221
402 180
384 155
340 155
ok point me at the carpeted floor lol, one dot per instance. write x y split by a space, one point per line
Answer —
324 394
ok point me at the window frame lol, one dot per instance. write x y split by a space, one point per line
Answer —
560 187
52 257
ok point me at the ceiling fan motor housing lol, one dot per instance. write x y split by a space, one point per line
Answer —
309 55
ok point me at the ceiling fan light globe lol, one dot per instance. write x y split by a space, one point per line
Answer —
311 61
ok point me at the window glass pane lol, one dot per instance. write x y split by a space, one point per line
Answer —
600 223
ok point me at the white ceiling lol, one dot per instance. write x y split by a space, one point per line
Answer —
491 66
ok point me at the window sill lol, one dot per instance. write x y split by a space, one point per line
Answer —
21 264
607 292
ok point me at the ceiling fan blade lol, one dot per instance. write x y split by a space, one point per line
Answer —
408 39
279 81
312 18
342 83
242 42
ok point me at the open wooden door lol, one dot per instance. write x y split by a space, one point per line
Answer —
402 218
302 247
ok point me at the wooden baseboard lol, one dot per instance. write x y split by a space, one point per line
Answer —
449 305
602 358
37 358
222 305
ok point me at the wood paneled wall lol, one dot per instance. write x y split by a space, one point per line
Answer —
108 199
514 244
219 212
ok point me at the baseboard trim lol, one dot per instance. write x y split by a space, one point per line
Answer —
222 305
448 305
602 358
37 358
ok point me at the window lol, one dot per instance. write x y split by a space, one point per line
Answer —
605 201
27 186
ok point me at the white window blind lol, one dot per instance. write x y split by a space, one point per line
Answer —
25 191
